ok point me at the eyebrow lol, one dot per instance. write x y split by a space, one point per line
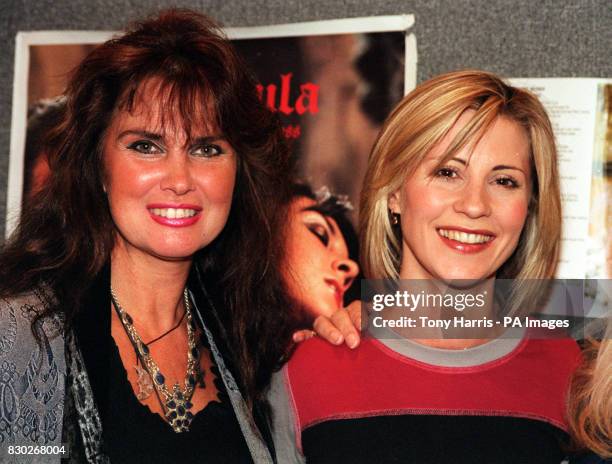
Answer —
499 167
158 137
208 138
142 133
505 166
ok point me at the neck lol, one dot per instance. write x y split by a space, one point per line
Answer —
150 289
449 334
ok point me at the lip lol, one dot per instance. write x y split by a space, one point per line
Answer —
338 292
466 248
175 222
467 231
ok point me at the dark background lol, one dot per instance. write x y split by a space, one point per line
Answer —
518 38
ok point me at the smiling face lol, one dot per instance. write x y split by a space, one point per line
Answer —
169 194
318 269
463 220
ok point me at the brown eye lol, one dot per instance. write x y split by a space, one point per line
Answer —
507 182
145 147
446 172
208 150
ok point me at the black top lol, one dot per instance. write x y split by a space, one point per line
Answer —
131 432
433 439
589 458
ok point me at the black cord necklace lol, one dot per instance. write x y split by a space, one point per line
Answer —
176 402
169 330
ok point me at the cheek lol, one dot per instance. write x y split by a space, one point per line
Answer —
512 215
128 179
218 182
515 213
298 273
294 254
422 202
132 183
305 260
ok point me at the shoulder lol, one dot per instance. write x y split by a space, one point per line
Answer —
322 376
320 356
18 313
317 350
555 350
32 371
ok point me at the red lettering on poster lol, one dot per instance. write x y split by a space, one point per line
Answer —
306 102
309 92
285 107
292 132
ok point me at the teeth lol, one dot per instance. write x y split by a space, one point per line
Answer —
174 213
464 237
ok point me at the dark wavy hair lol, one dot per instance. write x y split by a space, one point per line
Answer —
66 235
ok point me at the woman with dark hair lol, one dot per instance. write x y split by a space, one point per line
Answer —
139 291
320 263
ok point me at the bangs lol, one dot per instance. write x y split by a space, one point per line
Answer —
173 104
471 134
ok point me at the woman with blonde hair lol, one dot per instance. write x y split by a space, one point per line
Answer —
590 401
461 190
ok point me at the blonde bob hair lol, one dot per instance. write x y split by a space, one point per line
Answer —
417 124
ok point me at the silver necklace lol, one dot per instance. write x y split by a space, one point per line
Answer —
176 403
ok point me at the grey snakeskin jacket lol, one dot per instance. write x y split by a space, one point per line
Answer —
43 384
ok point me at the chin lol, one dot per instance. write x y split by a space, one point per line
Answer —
174 253
463 278
320 309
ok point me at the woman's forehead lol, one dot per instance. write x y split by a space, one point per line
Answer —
167 107
307 207
159 122
301 203
503 138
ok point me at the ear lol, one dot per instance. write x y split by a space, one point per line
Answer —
394 202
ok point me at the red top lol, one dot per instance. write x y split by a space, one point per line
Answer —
327 382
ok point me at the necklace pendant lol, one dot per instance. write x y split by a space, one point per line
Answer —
177 403
178 411
145 386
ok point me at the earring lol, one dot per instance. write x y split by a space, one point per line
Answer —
394 218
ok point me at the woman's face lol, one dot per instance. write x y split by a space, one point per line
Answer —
464 220
169 194
318 269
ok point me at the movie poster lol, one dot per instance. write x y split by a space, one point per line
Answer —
331 82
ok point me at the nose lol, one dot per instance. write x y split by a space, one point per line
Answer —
473 200
177 176
347 270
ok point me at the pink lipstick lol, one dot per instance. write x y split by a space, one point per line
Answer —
173 215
